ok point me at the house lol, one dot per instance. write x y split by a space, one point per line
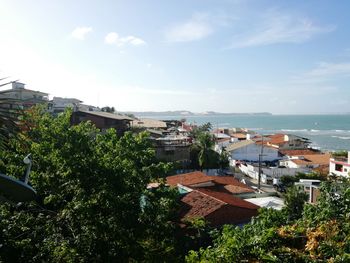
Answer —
286 141
149 124
23 98
311 161
239 136
250 151
267 202
58 104
173 148
311 188
268 174
291 153
199 180
221 144
216 207
215 198
340 166
102 120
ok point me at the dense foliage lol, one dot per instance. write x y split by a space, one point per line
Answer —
203 155
8 120
92 199
288 180
320 234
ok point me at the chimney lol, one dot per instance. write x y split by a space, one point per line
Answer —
248 136
286 138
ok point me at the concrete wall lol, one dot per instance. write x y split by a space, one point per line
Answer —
251 153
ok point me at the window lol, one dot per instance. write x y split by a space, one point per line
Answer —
338 167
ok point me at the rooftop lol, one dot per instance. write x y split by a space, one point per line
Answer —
106 115
299 152
149 123
237 145
217 208
320 159
196 180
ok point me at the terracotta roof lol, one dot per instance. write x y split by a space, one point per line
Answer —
237 145
224 184
299 152
228 199
217 208
276 138
320 159
200 204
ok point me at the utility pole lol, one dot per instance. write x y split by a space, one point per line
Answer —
260 156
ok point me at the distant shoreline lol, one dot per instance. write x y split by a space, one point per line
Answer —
212 113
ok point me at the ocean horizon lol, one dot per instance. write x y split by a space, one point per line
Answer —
329 132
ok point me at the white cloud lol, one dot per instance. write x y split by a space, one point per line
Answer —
81 32
198 27
113 38
274 28
325 69
324 72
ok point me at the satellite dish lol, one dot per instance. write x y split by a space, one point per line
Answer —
14 190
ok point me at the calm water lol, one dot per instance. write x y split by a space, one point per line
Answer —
329 132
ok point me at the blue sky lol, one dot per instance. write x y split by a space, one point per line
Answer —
199 55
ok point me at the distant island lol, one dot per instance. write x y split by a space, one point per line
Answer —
189 113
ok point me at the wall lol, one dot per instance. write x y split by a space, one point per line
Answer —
251 153
345 168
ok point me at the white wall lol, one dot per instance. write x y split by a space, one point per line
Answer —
251 153
345 172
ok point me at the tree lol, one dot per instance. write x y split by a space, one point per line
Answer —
224 161
205 143
8 121
197 131
294 199
90 186
321 234
108 109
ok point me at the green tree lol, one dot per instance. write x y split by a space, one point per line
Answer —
90 186
321 234
294 200
108 109
8 121
206 153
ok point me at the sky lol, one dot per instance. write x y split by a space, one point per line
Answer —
283 57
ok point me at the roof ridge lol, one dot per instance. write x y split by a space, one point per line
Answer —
210 196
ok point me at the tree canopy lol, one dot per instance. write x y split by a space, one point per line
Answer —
90 189
319 234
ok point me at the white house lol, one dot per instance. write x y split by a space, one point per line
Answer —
306 161
248 150
340 166
59 104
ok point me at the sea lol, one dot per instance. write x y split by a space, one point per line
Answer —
326 132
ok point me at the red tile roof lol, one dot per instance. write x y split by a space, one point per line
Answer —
320 159
228 199
216 208
276 139
219 183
